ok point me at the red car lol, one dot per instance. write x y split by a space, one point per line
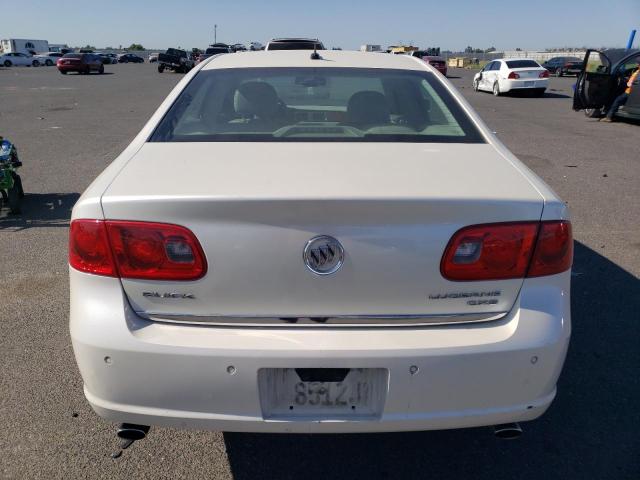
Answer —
436 62
80 62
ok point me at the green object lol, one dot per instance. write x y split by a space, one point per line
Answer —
10 181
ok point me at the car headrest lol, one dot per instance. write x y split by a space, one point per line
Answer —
256 98
368 108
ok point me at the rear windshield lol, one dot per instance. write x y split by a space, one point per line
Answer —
216 51
315 104
173 51
73 55
522 64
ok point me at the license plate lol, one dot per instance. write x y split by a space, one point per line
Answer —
529 84
287 393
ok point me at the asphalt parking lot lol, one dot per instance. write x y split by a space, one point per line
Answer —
68 128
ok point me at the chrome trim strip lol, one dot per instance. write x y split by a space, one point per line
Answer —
335 321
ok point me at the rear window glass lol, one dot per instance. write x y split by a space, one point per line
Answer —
522 64
73 55
315 104
216 51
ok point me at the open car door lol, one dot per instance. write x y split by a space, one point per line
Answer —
595 82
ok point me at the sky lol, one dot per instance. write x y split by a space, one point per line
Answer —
449 24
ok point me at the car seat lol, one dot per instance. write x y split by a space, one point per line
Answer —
258 102
367 109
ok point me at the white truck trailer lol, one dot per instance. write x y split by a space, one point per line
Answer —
370 48
23 45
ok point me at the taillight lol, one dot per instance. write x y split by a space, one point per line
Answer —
544 74
513 76
502 251
554 249
89 249
146 250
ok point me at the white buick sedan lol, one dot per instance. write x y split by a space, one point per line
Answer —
337 243
511 74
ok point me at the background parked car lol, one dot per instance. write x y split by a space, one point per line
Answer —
175 59
49 58
130 58
18 59
435 61
108 58
560 66
153 57
81 63
509 74
215 49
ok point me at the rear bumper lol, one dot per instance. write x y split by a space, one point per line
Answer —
174 375
442 69
73 68
508 85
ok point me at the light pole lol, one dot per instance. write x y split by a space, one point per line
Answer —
215 33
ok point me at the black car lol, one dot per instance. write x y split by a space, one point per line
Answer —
130 58
560 66
108 58
175 59
604 76
215 49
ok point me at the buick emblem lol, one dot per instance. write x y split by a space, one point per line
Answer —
323 255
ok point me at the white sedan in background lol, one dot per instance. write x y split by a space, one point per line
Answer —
49 58
511 74
18 59
342 246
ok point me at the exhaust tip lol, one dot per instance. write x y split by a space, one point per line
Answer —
507 431
130 431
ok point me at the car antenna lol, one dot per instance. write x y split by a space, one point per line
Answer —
315 55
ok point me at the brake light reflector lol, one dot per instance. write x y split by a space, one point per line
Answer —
501 251
554 249
89 248
544 74
145 250
513 76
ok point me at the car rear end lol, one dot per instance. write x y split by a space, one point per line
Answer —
436 62
572 66
242 294
522 74
72 62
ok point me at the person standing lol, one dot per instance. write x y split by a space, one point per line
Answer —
622 98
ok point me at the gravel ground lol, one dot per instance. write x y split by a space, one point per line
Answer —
68 128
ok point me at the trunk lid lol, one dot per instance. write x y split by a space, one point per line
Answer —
254 207
528 72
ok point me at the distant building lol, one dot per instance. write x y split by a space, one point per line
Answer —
370 48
